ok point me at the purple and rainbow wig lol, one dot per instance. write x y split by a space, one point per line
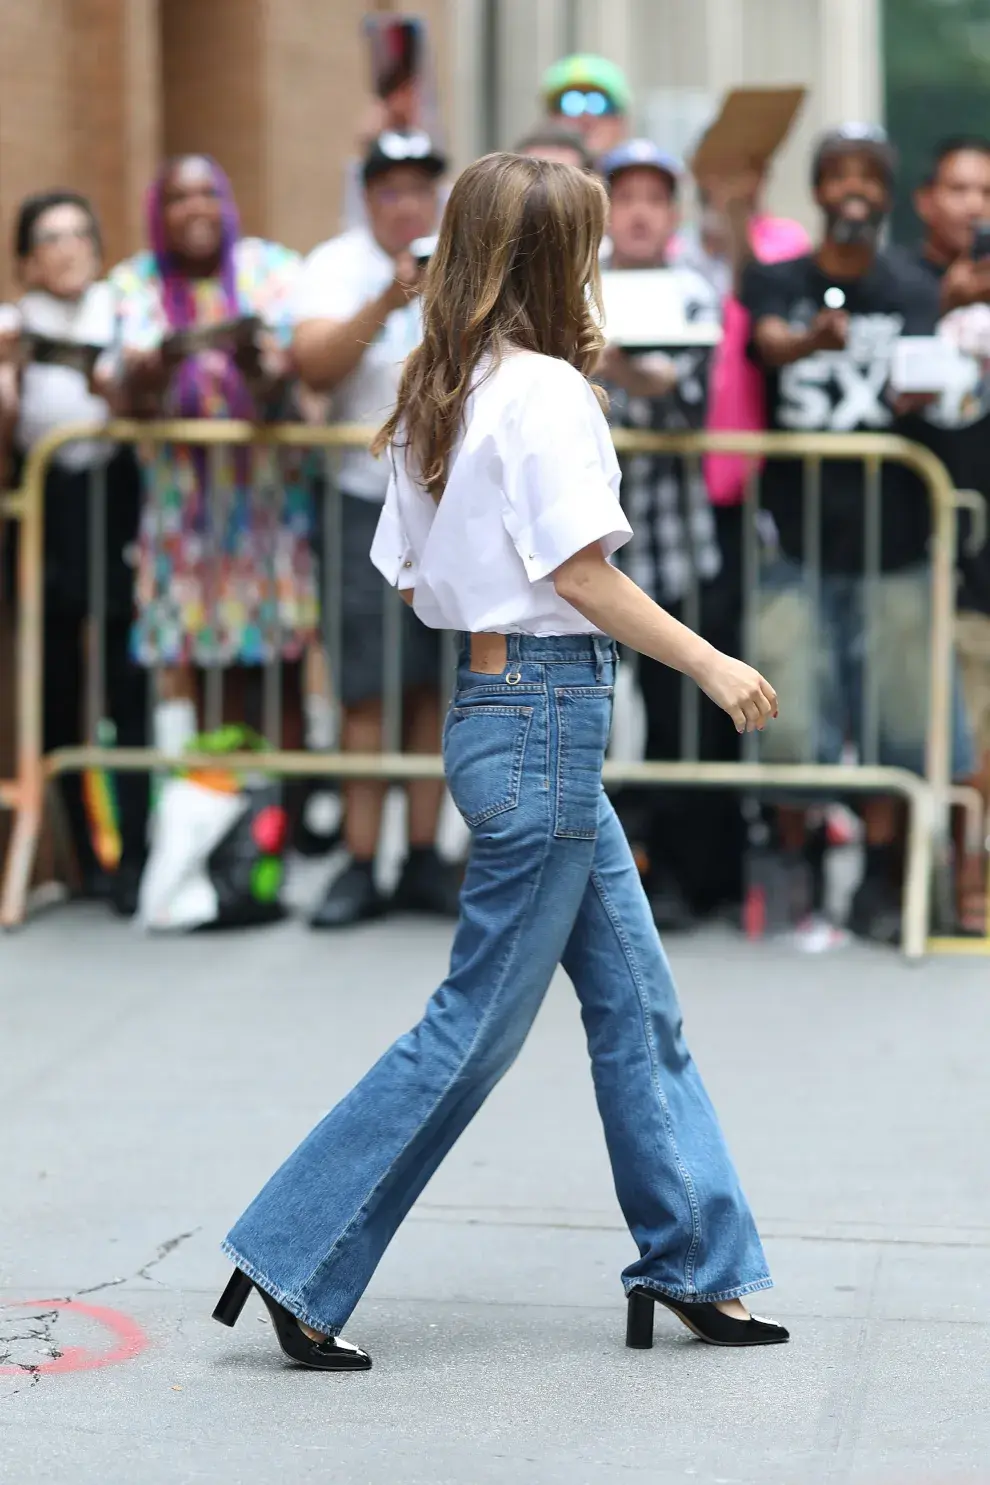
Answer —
178 299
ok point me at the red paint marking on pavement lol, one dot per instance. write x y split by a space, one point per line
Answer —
129 1337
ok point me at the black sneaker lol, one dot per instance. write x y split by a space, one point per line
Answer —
429 885
125 887
351 898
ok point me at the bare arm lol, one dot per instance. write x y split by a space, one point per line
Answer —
9 404
325 352
777 344
644 376
734 195
614 604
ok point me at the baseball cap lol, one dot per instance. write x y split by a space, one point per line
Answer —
847 138
644 154
582 75
403 147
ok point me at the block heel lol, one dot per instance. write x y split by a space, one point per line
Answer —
702 1318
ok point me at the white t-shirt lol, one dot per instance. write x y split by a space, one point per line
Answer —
533 480
55 396
335 281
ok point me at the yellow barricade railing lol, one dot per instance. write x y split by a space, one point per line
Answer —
928 797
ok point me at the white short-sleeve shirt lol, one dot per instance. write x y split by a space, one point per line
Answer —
55 396
533 480
336 280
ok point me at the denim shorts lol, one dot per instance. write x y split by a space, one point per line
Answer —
816 664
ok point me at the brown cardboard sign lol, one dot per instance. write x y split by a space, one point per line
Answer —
751 126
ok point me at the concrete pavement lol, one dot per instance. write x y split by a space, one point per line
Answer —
150 1086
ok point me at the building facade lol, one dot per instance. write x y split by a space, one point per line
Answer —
93 93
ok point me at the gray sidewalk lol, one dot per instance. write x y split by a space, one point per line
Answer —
151 1086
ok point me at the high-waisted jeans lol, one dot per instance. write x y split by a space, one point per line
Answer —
550 881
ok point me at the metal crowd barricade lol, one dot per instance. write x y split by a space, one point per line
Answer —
928 797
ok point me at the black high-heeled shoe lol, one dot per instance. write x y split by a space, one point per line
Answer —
332 1355
705 1320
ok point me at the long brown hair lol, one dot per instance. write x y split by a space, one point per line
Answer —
516 265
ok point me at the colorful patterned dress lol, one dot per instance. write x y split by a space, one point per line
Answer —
226 572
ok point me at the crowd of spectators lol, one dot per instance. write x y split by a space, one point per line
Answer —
205 570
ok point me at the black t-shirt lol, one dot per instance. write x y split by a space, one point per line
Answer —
958 431
844 392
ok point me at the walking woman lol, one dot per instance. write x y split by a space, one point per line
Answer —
501 516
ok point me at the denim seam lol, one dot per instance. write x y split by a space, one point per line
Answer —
690 1192
753 1287
290 1302
500 985
562 753
523 690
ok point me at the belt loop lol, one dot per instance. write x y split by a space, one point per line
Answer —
512 647
599 659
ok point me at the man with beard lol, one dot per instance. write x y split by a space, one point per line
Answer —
824 328
954 205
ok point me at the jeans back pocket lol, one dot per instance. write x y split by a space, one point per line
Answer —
584 719
483 750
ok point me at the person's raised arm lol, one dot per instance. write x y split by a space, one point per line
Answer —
325 351
778 344
613 603
733 195
774 341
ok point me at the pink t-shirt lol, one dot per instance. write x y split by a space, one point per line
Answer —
735 390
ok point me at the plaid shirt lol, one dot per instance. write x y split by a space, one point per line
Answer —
664 497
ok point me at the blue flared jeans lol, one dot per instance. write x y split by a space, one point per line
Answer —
550 880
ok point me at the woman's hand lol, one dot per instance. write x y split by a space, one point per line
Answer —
10 346
614 604
264 365
738 689
149 372
10 400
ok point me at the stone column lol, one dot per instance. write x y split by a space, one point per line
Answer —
851 61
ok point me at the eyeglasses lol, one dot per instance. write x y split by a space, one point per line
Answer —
69 234
576 101
418 191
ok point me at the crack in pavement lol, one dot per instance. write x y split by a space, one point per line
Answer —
164 1249
144 1272
39 1326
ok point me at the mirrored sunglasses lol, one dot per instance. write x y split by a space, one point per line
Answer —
578 101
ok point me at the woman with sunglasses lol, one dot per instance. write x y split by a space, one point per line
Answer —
501 515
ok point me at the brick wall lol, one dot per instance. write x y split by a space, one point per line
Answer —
35 118
93 92
213 93
78 108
